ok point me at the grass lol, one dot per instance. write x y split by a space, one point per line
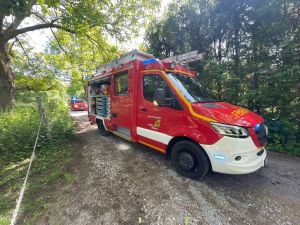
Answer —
18 129
48 170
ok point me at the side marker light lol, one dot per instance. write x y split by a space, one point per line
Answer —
219 157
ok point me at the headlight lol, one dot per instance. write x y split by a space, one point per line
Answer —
232 131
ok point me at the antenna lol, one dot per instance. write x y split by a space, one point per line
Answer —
187 57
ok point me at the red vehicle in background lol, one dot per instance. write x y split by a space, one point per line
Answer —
77 104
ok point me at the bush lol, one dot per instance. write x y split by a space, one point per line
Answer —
18 130
19 127
283 136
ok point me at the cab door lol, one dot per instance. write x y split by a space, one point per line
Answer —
154 124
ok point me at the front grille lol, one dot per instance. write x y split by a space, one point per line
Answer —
261 133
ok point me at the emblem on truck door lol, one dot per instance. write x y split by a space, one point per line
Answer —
156 124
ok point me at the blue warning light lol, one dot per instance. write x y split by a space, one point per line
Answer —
149 61
219 157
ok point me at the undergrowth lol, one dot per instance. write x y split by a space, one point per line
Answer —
18 131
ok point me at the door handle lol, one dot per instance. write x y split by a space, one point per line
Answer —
143 109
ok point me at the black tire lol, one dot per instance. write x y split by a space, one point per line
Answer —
102 129
189 159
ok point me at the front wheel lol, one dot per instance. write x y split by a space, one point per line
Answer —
102 129
189 159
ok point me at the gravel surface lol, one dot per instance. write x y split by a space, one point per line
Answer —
120 182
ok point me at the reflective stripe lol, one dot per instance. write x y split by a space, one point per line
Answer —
154 135
152 146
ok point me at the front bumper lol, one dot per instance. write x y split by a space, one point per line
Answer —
224 153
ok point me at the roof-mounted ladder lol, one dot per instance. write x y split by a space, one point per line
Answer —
133 55
187 57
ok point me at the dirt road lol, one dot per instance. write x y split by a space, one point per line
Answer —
119 182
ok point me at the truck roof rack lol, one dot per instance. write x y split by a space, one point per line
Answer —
133 55
186 57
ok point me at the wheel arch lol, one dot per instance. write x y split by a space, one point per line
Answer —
177 139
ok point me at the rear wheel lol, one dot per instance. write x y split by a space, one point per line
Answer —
189 159
102 129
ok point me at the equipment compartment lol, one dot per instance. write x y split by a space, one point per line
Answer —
99 98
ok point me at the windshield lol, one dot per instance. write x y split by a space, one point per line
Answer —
190 88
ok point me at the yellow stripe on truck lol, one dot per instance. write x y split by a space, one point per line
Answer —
152 146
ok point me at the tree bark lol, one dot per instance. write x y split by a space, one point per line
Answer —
7 78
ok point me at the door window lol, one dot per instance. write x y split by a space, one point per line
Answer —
121 84
150 83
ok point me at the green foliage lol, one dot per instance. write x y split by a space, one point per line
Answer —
19 127
17 130
252 56
114 17
18 133
15 8
95 21
59 175
38 83
77 87
40 187
36 73
78 58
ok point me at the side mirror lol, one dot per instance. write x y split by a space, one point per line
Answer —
160 96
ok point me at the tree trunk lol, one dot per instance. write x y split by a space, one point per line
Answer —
220 49
7 85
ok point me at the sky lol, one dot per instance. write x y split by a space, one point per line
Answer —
40 38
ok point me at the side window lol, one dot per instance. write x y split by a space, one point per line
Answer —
121 84
150 83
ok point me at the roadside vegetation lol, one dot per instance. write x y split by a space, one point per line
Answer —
18 133
252 56
82 34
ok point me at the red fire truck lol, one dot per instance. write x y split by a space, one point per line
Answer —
160 104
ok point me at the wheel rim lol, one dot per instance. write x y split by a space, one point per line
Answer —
187 160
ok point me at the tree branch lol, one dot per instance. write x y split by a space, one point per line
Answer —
28 59
95 42
60 46
42 18
18 20
1 23
11 46
17 32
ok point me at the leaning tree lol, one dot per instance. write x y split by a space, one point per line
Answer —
107 17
